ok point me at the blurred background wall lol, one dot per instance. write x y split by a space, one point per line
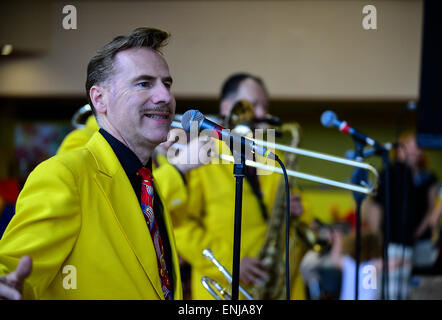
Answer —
303 49
313 56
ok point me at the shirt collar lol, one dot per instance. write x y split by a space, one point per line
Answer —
128 159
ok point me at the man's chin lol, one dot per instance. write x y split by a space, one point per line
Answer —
155 141
155 136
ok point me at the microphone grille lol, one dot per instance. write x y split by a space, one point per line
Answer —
328 118
189 116
350 154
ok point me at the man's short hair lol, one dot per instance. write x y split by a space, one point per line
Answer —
100 67
231 84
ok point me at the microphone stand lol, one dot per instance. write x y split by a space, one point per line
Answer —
358 176
239 170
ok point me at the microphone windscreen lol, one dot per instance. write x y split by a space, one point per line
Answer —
328 118
350 154
189 116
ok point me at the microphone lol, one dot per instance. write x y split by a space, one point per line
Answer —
351 154
221 133
329 119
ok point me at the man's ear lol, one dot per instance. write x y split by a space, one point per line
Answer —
97 95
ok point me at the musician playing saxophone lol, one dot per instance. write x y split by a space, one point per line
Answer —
209 220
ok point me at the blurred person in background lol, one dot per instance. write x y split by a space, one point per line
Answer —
413 189
209 223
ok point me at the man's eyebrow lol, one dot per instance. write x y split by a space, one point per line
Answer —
148 77
168 79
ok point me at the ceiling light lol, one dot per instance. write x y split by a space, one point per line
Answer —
6 49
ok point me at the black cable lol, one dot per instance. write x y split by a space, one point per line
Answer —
385 280
358 246
404 220
287 229
399 122
387 218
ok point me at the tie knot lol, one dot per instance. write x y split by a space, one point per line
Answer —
145 173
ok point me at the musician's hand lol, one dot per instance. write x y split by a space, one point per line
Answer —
252 270
11 284
195 153
296 208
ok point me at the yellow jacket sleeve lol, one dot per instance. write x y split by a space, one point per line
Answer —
44 230
173 189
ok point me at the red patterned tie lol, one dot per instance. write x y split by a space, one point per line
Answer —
147 208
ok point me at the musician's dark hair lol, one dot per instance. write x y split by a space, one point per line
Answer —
231 84
100 67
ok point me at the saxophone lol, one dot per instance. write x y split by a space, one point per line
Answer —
272 253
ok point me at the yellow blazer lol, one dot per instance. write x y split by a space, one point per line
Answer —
168 179
78 212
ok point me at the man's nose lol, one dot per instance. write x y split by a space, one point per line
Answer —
161 94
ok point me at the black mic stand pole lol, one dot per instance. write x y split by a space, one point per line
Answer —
358 176
239 170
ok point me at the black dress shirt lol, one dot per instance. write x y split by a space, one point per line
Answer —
131 164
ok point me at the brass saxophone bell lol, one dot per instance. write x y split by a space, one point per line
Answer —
241 114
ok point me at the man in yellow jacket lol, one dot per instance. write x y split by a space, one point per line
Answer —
169 177
79 231
211 206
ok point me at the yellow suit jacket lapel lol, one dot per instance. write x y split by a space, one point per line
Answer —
117 188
